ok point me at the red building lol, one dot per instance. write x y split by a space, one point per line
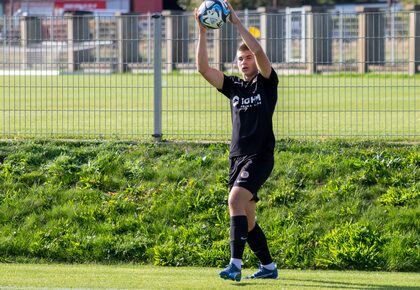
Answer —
144 6
56 7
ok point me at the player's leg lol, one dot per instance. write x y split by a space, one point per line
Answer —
239 199
246 176
260 169
250 211
258 244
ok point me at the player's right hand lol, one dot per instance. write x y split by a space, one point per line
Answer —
201 27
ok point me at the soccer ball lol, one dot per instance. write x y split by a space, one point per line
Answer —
213 14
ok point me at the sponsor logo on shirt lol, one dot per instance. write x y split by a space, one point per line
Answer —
245 103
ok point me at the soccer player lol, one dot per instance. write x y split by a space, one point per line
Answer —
252 101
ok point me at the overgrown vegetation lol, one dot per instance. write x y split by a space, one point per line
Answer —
335 204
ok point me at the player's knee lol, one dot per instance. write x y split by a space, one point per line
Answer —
251 224
238 199
233 201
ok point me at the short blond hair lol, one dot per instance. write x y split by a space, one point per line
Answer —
243 47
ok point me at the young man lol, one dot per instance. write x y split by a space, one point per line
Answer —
252 102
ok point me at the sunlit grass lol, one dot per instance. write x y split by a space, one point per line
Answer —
122 105
24 276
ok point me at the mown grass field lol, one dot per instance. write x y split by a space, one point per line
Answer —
121 106
53 276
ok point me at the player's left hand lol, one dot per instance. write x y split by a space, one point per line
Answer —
233 17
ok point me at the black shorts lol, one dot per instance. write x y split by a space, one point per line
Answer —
250 172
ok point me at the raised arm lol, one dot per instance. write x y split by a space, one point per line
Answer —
212 75
263 63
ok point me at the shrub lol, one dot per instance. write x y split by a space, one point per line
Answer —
400 196
351 246
402 251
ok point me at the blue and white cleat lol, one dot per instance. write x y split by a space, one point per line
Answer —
264 273
231 272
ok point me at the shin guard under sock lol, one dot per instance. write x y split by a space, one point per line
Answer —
238 235
258 244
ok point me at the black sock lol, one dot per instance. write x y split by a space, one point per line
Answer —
238 235
258 244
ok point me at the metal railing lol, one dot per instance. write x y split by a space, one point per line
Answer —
133 76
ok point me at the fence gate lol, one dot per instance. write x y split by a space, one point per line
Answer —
295 35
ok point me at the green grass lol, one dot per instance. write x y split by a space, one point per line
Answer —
327 205
121 106
24 276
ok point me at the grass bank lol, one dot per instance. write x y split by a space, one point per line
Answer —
327 205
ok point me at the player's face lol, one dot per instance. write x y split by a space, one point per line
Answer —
246 64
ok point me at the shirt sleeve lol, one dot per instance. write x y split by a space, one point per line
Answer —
273 78
227 86
271 86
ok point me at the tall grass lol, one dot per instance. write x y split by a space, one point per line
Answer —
327 205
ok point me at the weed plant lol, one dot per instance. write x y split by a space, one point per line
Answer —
327 205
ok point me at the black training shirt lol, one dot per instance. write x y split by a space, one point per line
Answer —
252 106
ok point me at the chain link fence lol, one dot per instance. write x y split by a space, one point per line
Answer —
342 74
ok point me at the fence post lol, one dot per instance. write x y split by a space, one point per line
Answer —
371 37
157 58
272 27
31 33
362 67
120 38
24 42
70 43
224 45
4 39
176 28
77 31
169 35
262 11
31 30
310 43
217 61
319 43
414 40
128 49
228 42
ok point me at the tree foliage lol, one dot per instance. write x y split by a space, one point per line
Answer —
407 2
253 4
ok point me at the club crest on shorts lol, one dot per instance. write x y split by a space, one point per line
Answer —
244 174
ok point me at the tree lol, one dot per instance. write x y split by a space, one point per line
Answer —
407 2
253 4
243 4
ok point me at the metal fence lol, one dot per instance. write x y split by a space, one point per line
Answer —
133 76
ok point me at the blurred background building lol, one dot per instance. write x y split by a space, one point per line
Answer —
100 7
